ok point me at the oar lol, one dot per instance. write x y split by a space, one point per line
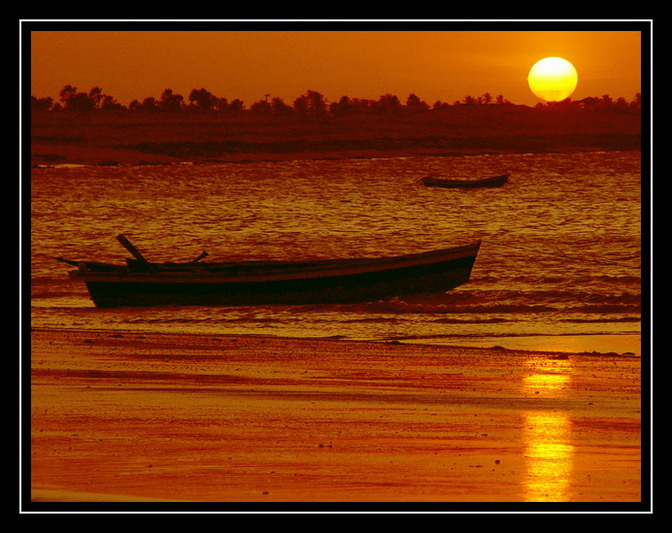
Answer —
134 252
203 255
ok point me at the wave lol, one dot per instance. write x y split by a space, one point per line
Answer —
607 320
498 302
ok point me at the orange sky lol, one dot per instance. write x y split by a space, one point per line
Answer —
434 65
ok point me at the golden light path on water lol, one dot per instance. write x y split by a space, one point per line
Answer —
549 452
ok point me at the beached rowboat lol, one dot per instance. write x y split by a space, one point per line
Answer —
494 181
141 283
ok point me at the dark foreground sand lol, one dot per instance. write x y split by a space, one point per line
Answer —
131 417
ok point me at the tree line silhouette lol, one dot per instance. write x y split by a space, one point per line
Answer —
309 104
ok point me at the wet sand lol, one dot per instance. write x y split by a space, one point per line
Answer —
134 417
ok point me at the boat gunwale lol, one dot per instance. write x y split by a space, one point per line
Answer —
199 273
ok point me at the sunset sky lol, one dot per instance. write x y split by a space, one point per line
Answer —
433 64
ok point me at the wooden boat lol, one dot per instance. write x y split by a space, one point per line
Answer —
141 283
494 181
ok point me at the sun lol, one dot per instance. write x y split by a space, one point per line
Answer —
553 79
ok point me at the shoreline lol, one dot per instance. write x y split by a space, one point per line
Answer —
110 138
595 344
243 419
64 155
607 344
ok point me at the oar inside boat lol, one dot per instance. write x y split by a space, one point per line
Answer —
135 253
131 249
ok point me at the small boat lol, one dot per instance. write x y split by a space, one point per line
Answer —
494 181
142 283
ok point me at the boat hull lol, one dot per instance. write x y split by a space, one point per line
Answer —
495 181
317 282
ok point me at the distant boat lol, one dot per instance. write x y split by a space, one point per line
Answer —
141 283
494 181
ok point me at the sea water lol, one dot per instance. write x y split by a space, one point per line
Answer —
561 250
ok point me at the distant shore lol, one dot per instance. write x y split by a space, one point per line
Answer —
141 418
59 138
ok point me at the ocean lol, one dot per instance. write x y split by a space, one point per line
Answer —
560 257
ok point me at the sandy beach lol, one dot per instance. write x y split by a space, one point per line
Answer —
131 417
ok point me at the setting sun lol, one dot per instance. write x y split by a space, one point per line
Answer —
553 79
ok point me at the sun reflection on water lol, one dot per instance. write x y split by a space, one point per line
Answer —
548 456
549 452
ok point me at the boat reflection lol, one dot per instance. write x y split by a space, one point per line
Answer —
549 452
